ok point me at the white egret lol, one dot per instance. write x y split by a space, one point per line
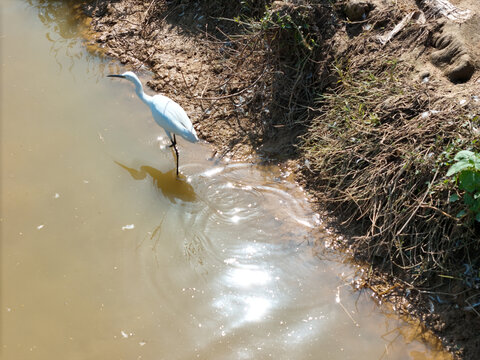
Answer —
166 113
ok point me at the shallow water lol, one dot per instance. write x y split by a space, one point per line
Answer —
105 255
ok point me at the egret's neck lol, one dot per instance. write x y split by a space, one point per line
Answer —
139 90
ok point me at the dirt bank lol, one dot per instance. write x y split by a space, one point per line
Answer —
367 101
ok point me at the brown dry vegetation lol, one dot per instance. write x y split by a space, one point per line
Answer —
313 82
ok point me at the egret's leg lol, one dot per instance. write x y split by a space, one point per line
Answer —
174 141
174 144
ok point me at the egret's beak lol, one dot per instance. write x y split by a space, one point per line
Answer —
119 76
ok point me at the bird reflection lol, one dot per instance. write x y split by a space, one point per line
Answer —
171 186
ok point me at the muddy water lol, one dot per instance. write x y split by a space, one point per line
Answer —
105 255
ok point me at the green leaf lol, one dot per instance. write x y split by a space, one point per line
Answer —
461 214
464 155
477 217
458 167
469 181
453 198
476 206
468 199
476 162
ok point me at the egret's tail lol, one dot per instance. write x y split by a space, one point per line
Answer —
190 136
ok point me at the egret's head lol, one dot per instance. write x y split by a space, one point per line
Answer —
127 75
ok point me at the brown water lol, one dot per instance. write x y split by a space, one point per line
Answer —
105 255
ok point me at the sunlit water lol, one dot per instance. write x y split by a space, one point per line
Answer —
106 255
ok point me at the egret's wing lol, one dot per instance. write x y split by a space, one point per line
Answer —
171 116
170 109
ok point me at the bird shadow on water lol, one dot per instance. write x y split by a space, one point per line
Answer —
172 187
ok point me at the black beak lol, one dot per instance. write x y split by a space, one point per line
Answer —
119 76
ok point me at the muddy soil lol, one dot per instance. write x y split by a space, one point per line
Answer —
222 83
178 53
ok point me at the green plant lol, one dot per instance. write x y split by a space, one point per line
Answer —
467 176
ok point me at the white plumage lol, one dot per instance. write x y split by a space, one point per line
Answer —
166 113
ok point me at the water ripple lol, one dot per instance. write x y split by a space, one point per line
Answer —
232 265
242 240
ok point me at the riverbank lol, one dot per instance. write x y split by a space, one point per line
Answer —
367 103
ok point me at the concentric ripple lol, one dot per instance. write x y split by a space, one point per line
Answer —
235 267
242 244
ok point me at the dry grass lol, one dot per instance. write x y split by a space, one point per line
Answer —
378 154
